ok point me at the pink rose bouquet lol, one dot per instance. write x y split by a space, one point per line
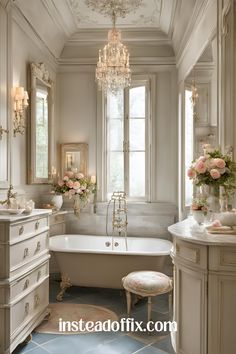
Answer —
213 169
75 185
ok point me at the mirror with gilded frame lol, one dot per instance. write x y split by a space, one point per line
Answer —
74 157
40 147
201 108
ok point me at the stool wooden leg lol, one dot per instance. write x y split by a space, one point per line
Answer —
149 308
128 299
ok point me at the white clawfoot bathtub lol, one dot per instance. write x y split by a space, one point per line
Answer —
101 261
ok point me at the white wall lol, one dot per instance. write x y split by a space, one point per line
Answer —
77 111
26 48
166 137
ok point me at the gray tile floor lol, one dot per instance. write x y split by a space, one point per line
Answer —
104 342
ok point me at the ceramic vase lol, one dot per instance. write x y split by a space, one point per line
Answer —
57 201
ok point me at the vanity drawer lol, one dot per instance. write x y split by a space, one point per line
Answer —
28 307
28 228
25 251
191 253
29 280
9 292
222 258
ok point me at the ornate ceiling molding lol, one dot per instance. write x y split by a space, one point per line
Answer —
108 7
135 14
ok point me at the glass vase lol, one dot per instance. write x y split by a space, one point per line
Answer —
212 195
223 199
199 216
77 206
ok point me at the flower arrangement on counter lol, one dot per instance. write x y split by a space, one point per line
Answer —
75 184
213 169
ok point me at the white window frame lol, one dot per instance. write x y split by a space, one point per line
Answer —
150 83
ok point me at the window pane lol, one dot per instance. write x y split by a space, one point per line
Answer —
41 134
115 172
137 102
137 134
115 134
137 174
188 146
115 105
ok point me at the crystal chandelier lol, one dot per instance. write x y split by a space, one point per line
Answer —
113 69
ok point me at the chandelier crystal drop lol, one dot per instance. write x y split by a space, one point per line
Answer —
113 69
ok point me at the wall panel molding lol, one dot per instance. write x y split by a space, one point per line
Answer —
29 31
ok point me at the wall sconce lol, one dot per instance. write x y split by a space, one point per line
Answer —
20 97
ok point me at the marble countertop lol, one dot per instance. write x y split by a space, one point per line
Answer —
20 217
189 230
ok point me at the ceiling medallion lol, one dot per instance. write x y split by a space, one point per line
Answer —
113 70
108 7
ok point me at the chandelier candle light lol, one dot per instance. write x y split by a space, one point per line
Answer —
113 69
20 104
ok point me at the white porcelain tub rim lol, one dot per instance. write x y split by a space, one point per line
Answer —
66 243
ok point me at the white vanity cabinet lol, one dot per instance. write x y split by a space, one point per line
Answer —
24 276
204 291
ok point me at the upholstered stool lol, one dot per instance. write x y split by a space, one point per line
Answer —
147 284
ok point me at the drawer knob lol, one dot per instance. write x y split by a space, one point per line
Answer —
26 308
26 252
39 275
36 225
21 230
26 284
36 300
38 247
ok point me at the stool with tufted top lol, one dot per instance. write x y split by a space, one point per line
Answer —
147 284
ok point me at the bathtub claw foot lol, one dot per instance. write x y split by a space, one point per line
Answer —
65 284
48 315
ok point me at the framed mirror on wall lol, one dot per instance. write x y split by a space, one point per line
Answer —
74 157
201 107
40 147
